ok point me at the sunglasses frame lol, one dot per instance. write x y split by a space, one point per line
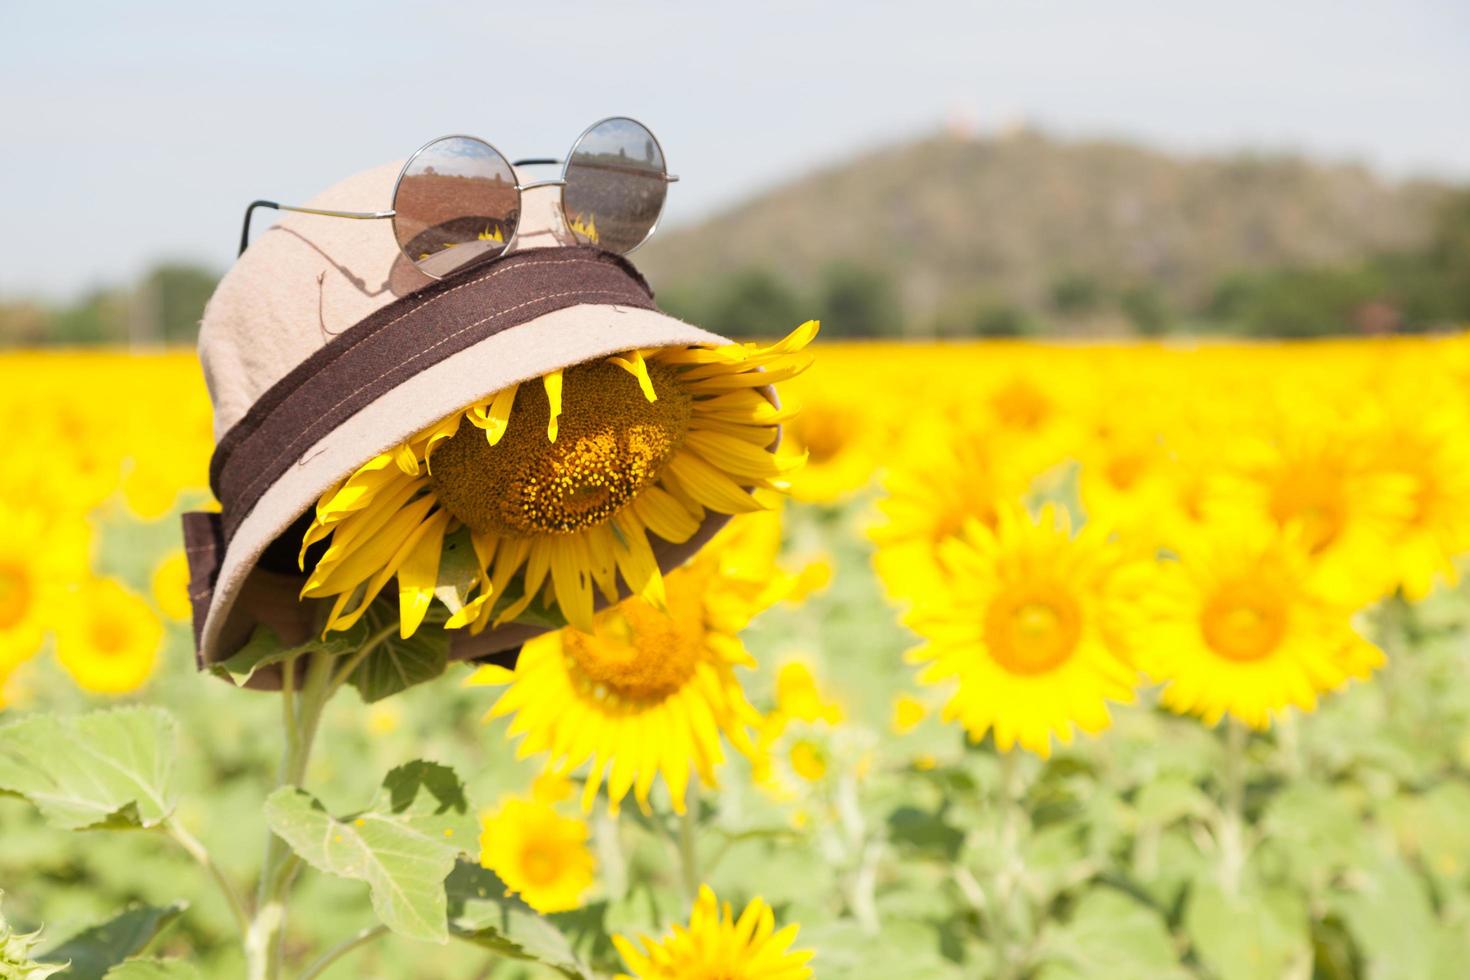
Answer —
520 188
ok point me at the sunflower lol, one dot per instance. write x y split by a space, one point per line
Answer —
39 561
1426 443
539 853
110 641
1312 471
170 586
716 944
836 438
1239 626
649 690
558 486
1024 624
954 471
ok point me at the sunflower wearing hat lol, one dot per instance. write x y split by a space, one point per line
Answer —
501 428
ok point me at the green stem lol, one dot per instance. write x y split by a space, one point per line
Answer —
263 938
688 852
1232 817
342 949
1008 868
196 849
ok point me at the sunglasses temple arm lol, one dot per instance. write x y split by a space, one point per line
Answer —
358 215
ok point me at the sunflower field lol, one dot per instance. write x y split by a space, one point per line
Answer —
1033 661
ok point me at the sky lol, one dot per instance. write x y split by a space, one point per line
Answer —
137 133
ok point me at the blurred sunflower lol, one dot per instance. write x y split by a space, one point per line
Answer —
560 484
717 945
40 561
109 642
649 690
1024 626
170 586
953 471
538 853
1425 443
1237 626
836 438
1312 471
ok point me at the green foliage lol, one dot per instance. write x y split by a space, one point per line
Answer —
98 951
483 912
753 302
152 969
1076 294
16 962
105 769
859 301
396 664
1145 308
403 846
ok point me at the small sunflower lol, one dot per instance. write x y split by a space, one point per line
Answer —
1025 625
170 586
955 471
715 944
1238 626
649 690
110 642
1426 444
559 485
538 853
1314 474
40 561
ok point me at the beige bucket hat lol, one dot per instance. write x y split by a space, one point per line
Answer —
323 347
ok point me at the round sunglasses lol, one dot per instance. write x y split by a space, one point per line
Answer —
457 201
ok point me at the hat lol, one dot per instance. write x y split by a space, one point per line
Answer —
324 347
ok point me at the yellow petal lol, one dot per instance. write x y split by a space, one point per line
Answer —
552 383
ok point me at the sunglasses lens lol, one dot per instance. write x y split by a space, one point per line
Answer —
456 204
615 185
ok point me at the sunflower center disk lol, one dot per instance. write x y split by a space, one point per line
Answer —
611 442
641 654
1242 624
1030 633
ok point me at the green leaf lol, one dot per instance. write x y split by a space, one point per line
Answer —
152 969
1111 937
266 648
403 847
108 769
459 570
927 833
1256 933
1169 798
93 952
1387 911
482 913
397 664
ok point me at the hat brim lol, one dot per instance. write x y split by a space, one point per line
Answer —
246 594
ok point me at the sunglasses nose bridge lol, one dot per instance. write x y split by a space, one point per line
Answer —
542 223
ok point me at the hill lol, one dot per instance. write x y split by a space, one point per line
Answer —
1039 223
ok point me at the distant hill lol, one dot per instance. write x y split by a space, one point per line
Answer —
1020 216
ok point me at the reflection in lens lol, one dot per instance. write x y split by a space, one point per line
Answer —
615 185
456 204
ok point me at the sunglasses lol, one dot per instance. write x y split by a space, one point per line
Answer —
457 200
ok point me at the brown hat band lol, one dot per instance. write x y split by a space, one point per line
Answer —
397 342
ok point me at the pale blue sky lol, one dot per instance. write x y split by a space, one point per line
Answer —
137 132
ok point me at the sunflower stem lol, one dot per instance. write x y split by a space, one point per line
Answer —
688 852
1232 816
267 927
340 950
1008 946
196 849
